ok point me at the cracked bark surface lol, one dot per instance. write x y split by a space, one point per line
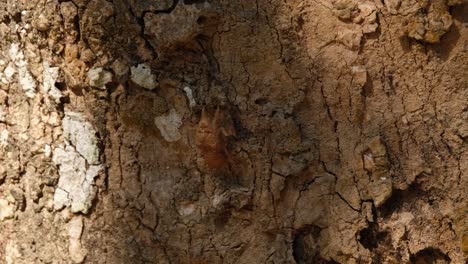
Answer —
233 131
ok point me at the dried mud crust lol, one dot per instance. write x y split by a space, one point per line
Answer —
233 131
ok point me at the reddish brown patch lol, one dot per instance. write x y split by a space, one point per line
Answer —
210 139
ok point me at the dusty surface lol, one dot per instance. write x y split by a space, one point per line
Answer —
233 131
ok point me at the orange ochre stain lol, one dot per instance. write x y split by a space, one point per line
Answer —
210 139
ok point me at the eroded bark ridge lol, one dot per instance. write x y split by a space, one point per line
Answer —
233 131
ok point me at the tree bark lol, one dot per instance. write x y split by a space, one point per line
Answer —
233 131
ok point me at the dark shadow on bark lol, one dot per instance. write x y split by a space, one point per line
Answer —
430 256
152 183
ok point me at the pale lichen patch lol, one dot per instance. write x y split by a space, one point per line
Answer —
4 138
12 252
141 75
8 73
76 184
190 98
7 209
98 77
26 80
78 162
169 125
50 75
81 135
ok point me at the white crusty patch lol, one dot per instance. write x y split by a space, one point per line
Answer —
7 74
190 98
2 113
98 77
11 252
186 209
7 209
78 163
82 135
169 125
50 75
76 183
141 75
3 137
25 78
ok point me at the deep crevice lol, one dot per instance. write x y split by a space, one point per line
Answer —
305 246
430 255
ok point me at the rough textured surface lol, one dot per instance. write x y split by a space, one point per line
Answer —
168 125
141 75
233 131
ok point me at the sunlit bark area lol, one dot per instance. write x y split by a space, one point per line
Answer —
200 131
